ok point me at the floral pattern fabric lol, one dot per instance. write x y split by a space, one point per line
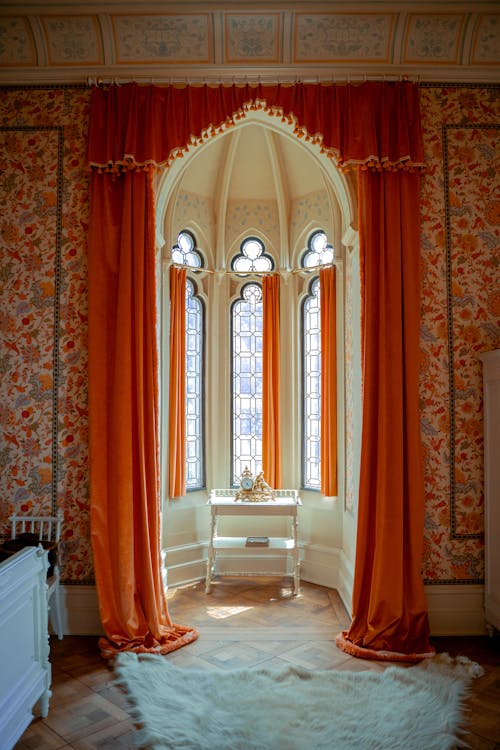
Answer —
43 304
460 318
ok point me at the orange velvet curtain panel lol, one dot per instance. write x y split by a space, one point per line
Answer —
123 418
177 387
374 126
328 382
389 608
371 124
271 411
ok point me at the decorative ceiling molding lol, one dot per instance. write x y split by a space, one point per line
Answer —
70 42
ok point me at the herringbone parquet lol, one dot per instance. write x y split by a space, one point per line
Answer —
243 622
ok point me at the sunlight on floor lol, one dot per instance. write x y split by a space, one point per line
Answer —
221 613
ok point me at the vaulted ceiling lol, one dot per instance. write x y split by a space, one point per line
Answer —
64 41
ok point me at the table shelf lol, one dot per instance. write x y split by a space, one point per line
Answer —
223 503
240 543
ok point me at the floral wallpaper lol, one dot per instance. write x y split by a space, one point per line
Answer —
460 318
43 315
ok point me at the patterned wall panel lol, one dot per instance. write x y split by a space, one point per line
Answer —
243 217
195 212
252 37
43 289
460 318
30 246
73 40
472 190
17 47
343 37
168 39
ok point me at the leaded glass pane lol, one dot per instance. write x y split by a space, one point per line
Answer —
311 388
252 257
185 253
194 385
246 337
319 252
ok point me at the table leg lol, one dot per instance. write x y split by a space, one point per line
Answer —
210 556
296 561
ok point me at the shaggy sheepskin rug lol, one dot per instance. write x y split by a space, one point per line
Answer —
415 708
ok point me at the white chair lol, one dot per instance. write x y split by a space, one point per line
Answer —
48 529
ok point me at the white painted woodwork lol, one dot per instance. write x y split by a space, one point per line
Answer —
25 671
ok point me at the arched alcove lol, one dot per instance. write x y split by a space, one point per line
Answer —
259 178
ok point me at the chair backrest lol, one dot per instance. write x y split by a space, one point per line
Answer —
47 527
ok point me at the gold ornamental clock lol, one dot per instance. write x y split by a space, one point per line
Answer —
254 490
246 486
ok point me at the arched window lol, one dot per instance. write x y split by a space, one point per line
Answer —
252 257
185 253
319 252
246 381
194 389
311 388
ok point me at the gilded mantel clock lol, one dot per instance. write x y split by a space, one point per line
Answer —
246 486
254 490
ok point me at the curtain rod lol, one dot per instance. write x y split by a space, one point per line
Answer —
248 80
231 272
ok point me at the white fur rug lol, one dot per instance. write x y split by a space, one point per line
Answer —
417 708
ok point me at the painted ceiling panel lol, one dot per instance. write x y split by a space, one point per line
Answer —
199 40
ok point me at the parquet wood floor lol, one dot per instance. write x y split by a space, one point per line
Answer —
243 622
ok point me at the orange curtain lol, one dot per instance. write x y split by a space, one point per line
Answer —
328 382
177 388
123 418
389 607
271 436
373 125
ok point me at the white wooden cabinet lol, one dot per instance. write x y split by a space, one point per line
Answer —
222 503
491 394
25 672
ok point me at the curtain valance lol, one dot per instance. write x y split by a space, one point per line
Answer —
373 124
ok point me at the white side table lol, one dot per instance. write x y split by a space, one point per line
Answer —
222 503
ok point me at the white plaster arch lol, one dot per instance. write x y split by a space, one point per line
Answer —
341 187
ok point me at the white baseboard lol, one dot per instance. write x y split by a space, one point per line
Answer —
453 610
80 611
456 609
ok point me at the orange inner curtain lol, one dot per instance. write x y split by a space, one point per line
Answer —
374 126
177 388
123 418
328 382
271 412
